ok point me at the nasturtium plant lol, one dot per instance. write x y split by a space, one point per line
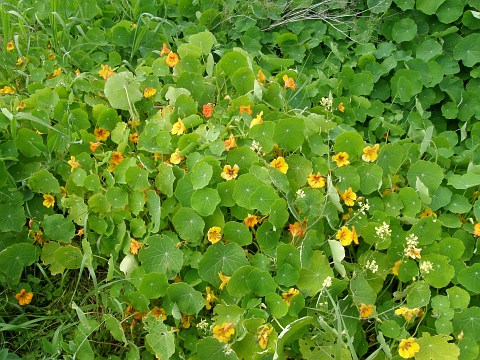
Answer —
240 181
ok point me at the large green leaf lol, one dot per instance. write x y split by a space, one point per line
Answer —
161 255
59 228
188 300
205 201
15 257
12 217
430 174
159 340
44 182
468 50
123 90
188 224
289 133
311 279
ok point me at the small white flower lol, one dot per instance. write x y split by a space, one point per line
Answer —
327 282
426 266
256 146
372 266
326 103
412 240
300 193
383 231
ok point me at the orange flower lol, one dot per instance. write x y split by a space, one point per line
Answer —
133 138
476 229
289 82
224 332
210 298
427 212
263 336
106 72
365 310
370 153
159 312
135 246
245 108
21 105
261 77
224 278
349 197
165 50
207 110
280 164
116 158
51 56
48 200
341 159
23 297
101 134
287 296
149 92
214 234
296 229
230 173
341 108
230 143
172 59
251 220
10 46
94 145
7 90
316 181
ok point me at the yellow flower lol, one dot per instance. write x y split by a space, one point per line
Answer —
365 310
214 234
101 134
345 236
51 56
263 336
176 158
407 313
316 181
408 348
349 197
289 82
134 26
210 298
135 246
186 321
133 138
77 72
73 163
48 200
19 61
149 92
224 332
251 220
55 73
10 46
165 50
476 229
245 108
116 158
280 164
261 77
159 312
370 153
7 90
230 173
341 159
354 235
224 278
287 296
21 105
341 108
396 267
106 72
63 191
230 143
178 128
258 120
23 297
172 59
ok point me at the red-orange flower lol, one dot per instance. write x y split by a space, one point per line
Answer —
207 110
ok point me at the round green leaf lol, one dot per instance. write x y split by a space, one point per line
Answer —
442 271
312 278
153 285
29 143
370 177
212 349
15 257
268 236
450 11
201 174
287 275
468 321
12 217
69 257
390 158
277 306
237 232
188 300
263 198
44 182
205 201
220 257
428 6
459 204
263 134
436 347
418 294
184 190
237 286
459 298
404 30
117 197
289 133
451 247
470 278
136 178
349 142
232 61
245 186
59 228
205 40
469 349
165 179
243 80
122 90
347 176
243 156
260 282
278 214
430 174
428 49
298 169
188 224
468 50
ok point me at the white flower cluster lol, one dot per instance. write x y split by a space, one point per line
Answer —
327 103
300 193
426 266
372 266
256 146
203 325
383 231
411 249
364 207
327 282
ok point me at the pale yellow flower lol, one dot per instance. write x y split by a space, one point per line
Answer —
230 173
370 153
